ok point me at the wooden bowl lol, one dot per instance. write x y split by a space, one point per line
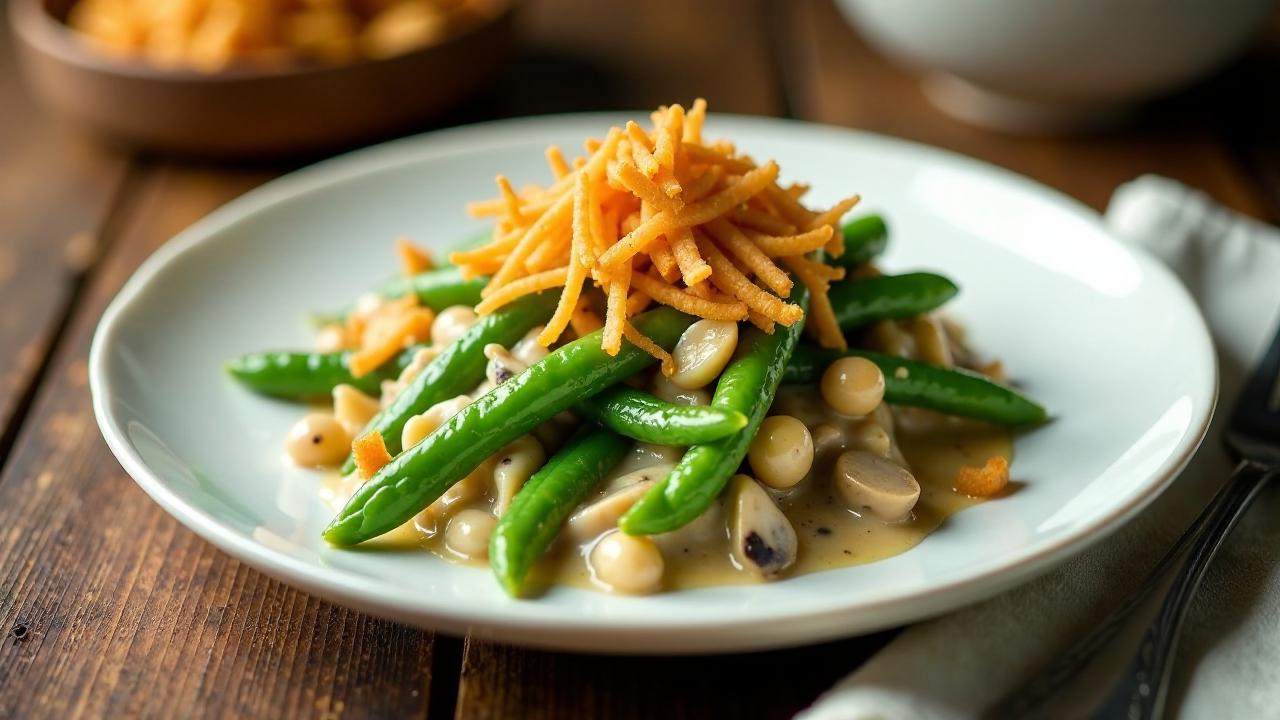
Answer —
249 112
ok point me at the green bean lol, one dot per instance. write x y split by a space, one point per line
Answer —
306 376
858 302
419 475
747 385
437 289
641 416
540 507
864 238
906 382
459 368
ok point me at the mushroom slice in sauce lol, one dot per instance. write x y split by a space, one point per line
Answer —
762 539
516 463
502 365
868 482
602 515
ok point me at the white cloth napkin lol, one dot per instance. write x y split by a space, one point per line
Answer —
1228 665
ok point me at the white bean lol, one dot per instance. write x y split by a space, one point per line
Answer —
626 564
702 352
318 440
528 350
421 425
781 453
467 534
451 323
853 386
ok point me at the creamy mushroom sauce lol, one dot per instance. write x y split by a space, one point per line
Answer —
830 535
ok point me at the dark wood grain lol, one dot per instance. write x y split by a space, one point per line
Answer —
504 682
834 77
127 614
55 193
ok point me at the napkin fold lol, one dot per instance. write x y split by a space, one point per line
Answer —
961 665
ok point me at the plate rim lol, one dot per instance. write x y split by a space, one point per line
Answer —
614 635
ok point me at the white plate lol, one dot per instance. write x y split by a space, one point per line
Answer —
1100 333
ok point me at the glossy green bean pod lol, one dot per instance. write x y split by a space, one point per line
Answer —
437 289
459 367
864 300
906 382
641 416
306 376
864 238
747 386
418 476
540 507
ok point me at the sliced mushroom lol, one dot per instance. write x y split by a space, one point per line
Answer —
602 515
516 463
646 474
502 364
702 531
932 345
870 483
762 539
642 456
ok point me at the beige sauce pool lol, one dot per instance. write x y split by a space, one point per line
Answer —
830 536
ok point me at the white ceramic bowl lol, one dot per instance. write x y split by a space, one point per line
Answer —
1102 334
1040 65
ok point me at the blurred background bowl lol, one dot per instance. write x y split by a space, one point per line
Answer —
1053 65
246 112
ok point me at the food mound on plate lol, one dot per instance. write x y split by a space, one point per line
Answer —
665 368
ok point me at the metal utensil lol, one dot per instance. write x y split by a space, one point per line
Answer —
1139 694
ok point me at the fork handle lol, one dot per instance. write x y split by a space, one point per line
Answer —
1034 700
1141 692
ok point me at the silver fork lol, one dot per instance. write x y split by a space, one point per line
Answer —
1140 693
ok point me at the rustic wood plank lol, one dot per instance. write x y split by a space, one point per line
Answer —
835 77
124 613
42 254
504 682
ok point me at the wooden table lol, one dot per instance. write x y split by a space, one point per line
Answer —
110 608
